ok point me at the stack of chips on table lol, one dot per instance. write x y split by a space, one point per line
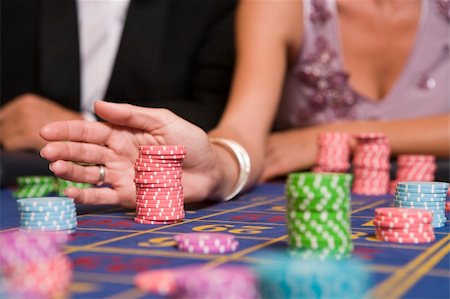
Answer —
285 276
38 186
400 225
198 282
334 152
318 219
159 189
207 243
423 195
33 266
371 164
47 214
35 186
417 168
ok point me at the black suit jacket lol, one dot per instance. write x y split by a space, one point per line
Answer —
176 54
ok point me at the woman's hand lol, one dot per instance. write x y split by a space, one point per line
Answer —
115 145
289 151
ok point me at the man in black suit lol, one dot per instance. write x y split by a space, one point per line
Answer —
174 54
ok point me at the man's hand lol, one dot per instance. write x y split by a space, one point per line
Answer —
115 145
22 118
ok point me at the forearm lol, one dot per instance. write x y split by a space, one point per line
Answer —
257 84
427 135
227 168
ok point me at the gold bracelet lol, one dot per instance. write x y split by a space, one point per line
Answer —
243 160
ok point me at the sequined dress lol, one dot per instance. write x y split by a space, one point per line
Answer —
317 88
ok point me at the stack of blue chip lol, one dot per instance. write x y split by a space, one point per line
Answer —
47 214
287 276
423 195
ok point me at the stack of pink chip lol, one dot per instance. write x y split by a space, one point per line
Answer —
334 152
417 168
198 281
404 225
32 265
159 188
207 243
371 164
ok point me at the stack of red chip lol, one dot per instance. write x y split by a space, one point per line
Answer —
159 189
334 152
404 225
207 243
371 164
417 168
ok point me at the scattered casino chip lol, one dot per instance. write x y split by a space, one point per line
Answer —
33 266
430 196
47 214
334 152
318 220
160 282
199 282
159 187
404 225
206 243
371 164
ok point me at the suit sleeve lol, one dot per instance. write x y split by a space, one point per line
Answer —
211 72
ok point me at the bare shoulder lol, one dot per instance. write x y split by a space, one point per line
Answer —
281 19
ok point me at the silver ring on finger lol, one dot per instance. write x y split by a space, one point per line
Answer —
101 175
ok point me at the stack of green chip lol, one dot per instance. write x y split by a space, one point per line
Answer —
318 221
64 184
35 186
39 186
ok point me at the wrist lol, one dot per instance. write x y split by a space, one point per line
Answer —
233 168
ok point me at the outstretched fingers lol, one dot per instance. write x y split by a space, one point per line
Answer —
79 173
98 196
76 152
76 130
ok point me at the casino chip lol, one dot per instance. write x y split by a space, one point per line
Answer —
414 168
199 282
207 243
334 152
32 265
35 186
39 186
404 225
430 196
291 276
318 220
371 164
159 187
47 214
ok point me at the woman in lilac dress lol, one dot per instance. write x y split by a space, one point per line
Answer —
304 67
357 66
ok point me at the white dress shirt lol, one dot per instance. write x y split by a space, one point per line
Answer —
100 26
